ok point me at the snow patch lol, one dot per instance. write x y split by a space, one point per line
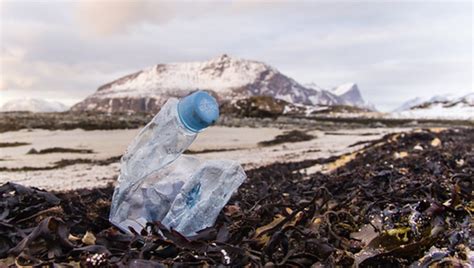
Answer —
343 89
33 105
438 107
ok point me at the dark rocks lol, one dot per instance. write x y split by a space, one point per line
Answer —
256 106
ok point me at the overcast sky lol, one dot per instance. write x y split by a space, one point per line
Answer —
394 51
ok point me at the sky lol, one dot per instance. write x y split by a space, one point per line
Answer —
393 50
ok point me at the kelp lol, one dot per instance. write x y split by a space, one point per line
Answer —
377 209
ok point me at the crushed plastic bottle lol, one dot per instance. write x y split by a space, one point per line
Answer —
157 183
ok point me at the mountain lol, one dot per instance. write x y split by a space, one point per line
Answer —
33 105
409 104
346 94
225 77
438 107
434 99
350 94
323 96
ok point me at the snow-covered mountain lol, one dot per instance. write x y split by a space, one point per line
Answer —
350 94
409 104
33 105
441 106
323 96
227 78
345 94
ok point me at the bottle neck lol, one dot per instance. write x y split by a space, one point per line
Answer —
182 126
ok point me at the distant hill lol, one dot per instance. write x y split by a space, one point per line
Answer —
439 107
33 105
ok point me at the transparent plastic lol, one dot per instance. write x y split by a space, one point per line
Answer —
157 183
203 195
160 142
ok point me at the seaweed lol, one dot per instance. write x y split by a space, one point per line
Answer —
13 144
377 210
290 136
60 150
66 162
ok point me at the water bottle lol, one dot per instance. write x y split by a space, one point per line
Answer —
157 183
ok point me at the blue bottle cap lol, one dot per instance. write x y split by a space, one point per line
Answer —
198 111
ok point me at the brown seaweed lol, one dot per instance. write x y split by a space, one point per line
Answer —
378 210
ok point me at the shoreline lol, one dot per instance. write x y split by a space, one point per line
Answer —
66 171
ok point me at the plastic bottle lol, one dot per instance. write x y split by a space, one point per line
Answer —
156 184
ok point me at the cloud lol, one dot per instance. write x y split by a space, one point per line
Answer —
111 17
10 78
392 50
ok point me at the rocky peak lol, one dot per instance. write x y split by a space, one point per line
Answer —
223 58
350 94
314 86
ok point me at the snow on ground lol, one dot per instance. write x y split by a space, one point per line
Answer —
447 106
409 104
438 111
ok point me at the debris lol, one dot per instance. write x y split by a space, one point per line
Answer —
460 162
398 155
436 142
89 238
418 148
73 238
231 210
159 184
